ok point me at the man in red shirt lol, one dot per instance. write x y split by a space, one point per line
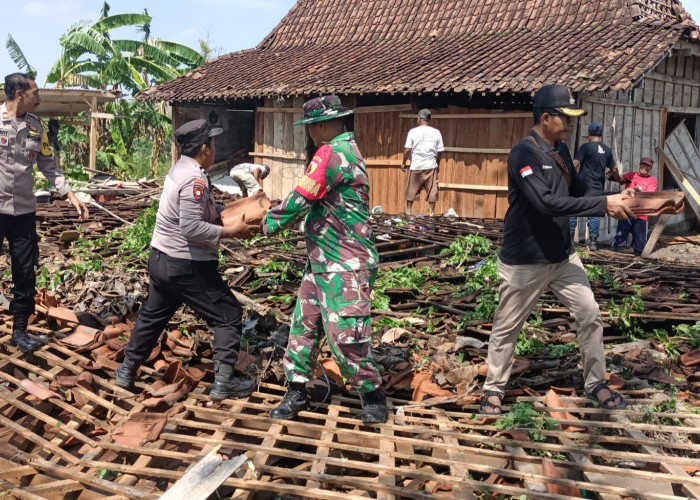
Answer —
642 180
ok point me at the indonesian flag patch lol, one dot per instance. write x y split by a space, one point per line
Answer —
525 171
198 189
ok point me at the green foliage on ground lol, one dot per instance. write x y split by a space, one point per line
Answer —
524 416
465 248
403 277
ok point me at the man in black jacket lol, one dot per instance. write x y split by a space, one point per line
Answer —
537 250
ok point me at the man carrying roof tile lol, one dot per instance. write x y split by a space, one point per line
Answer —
424 147
248 177
334 296
537 251
23 143
593 160
183 265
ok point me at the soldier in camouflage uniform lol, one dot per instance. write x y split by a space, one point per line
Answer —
335 291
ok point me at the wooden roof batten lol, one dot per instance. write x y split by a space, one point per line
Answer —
443 46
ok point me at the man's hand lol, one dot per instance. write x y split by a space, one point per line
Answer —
238 228
81 207
628 193
616 208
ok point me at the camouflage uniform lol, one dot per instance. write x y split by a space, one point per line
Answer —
335 290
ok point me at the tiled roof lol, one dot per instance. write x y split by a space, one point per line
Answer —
368 46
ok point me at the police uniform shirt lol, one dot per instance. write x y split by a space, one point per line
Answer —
23 142
186 225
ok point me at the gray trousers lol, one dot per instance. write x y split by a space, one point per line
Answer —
520 287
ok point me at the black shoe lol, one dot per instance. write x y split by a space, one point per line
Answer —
226 385
125 375
20 338
293 402
374 409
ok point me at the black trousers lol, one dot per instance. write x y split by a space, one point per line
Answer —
20 232
197 284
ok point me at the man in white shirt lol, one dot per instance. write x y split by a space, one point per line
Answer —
248 177
424 147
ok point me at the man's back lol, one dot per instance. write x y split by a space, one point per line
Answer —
595 157
425 143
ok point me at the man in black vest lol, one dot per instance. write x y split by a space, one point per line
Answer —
537 252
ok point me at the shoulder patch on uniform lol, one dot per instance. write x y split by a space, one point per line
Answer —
198 188
45 145
525 171
313 185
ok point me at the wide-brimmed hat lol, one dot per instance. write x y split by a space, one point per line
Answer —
326 107
558 98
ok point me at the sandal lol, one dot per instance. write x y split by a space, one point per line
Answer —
613 396
486 404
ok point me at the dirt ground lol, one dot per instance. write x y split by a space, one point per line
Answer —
687 253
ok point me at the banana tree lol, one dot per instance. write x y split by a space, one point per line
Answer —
18 56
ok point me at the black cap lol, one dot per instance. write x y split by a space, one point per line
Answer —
558 98
595 128
196 132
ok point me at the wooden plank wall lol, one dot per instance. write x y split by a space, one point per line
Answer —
473 173
280 145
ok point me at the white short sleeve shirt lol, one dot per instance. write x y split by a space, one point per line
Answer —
425 143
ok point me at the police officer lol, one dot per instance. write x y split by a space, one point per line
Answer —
183 265
23 143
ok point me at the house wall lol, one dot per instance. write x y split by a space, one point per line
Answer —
280 145
636 121
473 174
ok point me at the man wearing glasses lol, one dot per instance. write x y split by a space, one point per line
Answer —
537 252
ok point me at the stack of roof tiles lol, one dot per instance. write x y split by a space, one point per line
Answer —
413 46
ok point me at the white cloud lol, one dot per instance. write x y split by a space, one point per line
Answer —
41 8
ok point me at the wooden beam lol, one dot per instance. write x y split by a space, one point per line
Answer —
264 109
107 116
472 187
386 109
93 135
488 151
282 156
463 116
655 233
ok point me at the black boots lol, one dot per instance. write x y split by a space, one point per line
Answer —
374 409
226 385
293 402
593 243
125 375
20 338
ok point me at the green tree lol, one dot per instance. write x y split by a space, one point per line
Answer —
18 56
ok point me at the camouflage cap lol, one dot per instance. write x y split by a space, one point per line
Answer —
327 107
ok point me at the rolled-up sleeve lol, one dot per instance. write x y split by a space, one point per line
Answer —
47 166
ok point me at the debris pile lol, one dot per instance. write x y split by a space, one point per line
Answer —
66 427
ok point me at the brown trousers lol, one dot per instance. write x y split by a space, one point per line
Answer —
520 287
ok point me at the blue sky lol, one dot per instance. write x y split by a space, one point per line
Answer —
229 25
37 25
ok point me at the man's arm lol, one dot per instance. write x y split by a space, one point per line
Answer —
47 165
577 164
525 170
406 157
437 160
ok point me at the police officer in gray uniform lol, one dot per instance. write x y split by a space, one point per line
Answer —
183 265
23 143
